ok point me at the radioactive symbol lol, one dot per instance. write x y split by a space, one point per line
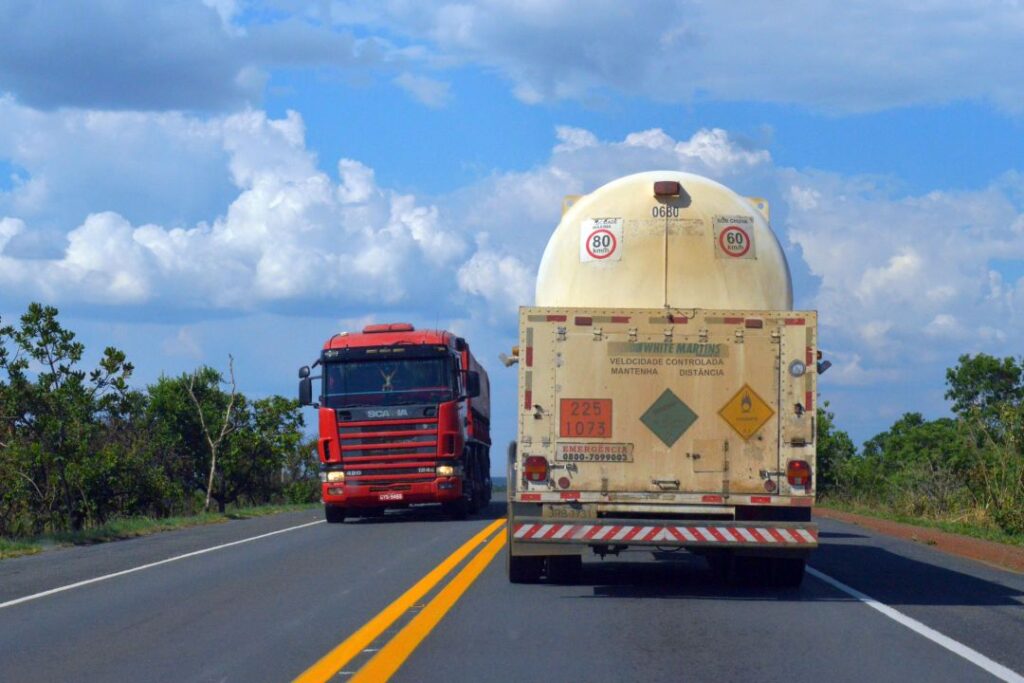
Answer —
746 412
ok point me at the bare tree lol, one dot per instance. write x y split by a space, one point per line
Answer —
225 427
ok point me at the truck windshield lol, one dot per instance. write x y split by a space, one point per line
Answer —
388 382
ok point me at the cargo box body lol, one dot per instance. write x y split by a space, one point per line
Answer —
664 428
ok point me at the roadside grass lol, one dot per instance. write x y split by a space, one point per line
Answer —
9 548
133 527
975 526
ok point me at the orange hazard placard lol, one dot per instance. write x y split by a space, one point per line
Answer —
585 417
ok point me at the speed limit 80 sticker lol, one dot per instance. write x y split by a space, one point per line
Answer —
601 239
734 237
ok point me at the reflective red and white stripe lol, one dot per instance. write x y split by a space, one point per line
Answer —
626 533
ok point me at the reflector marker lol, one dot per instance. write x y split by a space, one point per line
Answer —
674 535
795 321
671 320
562 532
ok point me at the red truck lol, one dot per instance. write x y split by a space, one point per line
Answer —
404 419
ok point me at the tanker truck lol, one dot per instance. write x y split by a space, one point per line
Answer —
667 390
404 417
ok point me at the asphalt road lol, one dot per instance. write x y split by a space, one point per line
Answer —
269 608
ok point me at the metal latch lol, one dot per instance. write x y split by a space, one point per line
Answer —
665 484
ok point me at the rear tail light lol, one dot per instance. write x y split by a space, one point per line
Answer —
798 473
535 468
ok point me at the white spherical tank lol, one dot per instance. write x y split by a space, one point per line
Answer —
664 238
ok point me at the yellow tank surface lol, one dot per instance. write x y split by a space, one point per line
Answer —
665 239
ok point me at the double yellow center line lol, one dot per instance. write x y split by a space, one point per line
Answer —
387 660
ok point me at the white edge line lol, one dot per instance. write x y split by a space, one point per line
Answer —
956 647
79 584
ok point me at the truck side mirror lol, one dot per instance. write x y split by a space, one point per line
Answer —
472 384
304 372
306 391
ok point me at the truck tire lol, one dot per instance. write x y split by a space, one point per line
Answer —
752 571
488 484
721 564
334 514
564 569
788 572
524 569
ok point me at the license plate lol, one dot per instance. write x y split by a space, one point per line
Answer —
390 496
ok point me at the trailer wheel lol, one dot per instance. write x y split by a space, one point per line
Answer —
721 563
524 569
788 572
334 514
564 569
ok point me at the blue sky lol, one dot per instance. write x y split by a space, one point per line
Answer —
191 179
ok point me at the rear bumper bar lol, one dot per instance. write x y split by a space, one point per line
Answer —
763 535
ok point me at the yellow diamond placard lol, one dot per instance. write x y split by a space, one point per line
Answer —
746 412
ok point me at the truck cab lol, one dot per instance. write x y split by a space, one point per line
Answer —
404 419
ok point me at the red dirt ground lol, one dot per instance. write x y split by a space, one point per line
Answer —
999 554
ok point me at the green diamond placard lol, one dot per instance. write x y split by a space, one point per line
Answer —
668 418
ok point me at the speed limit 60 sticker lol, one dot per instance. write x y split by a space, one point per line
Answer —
601 239
734 237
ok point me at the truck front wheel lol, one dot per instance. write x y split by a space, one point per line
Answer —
334 514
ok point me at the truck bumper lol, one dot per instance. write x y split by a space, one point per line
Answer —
440 490
531 535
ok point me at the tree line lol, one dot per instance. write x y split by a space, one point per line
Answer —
81 447
968 468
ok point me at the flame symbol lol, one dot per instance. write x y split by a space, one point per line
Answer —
746 404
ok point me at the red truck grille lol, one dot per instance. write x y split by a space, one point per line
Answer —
388 452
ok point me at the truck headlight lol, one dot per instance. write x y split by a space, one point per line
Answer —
335 476
445 470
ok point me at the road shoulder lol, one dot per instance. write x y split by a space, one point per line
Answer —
999 555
